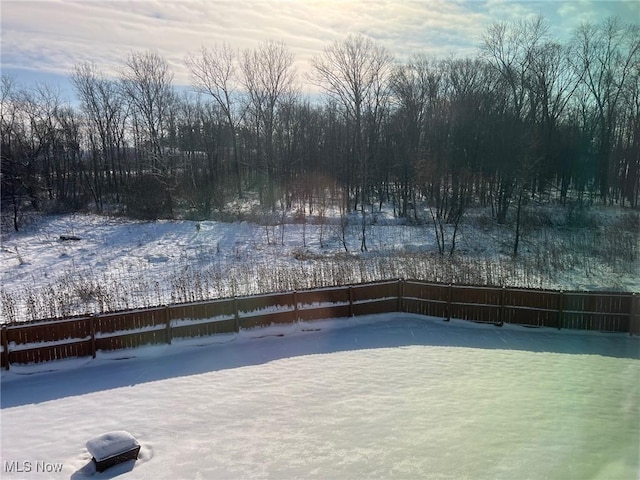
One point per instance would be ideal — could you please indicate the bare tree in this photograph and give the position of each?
(146, 81)
(606, 55)
(68, 165)
(269, 78)
(551, 83)
(355, 71)
(510, 48)
(629, 140)
(103, 105)
(414, 87)
(13, 149)
(214, 72)
(40, 105)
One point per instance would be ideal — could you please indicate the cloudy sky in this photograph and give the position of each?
(43, 40)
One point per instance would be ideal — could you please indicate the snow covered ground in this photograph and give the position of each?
(387, 396)
(119, 264)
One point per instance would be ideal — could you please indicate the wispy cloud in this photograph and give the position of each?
(54, 35)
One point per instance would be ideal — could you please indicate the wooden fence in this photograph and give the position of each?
(84, 336)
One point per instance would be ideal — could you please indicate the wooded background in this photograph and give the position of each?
(528, 118)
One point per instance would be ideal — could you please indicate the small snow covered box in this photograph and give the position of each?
(112, 448)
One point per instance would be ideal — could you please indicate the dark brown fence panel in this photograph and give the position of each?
(51, 341)
(375, 291)
(597, 302)
(374, 307)
(616, 309)
(48, 353)
(202, 310)
(374, 298)
(475, 313)
(425, 298)
(322, 313)
(596, 311)
(266, 319)
(265, 310)
(476, 295)
(131, 340)
(49, 331)
(323, 303)
(595, 321)
(426, 291)
(264, 304)
(322, 297)
(425, 307)
(537, 308)
(612, 303)
(203, 329)
(613, 323)
(478, 304)
(133, 320)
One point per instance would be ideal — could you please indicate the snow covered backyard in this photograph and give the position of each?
(386, 396)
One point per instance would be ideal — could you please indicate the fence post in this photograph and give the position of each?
(350, 300)
(295, 306)
(5, 347)
(634, 316)
(167, 321)
(400, 295)
(92, 319)
(236, 314)
(501, 309)
(449, 303)
(560, 310)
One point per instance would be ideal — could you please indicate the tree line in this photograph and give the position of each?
(529, 118)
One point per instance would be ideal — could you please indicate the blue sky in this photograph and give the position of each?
(43, 40)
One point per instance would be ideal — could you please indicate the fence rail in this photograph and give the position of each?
(84, 336)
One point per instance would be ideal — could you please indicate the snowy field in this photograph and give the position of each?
(120, 264)
(387, 396)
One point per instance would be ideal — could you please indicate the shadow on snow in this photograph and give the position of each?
(34, 383)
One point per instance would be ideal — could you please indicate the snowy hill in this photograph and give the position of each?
(117, 264)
